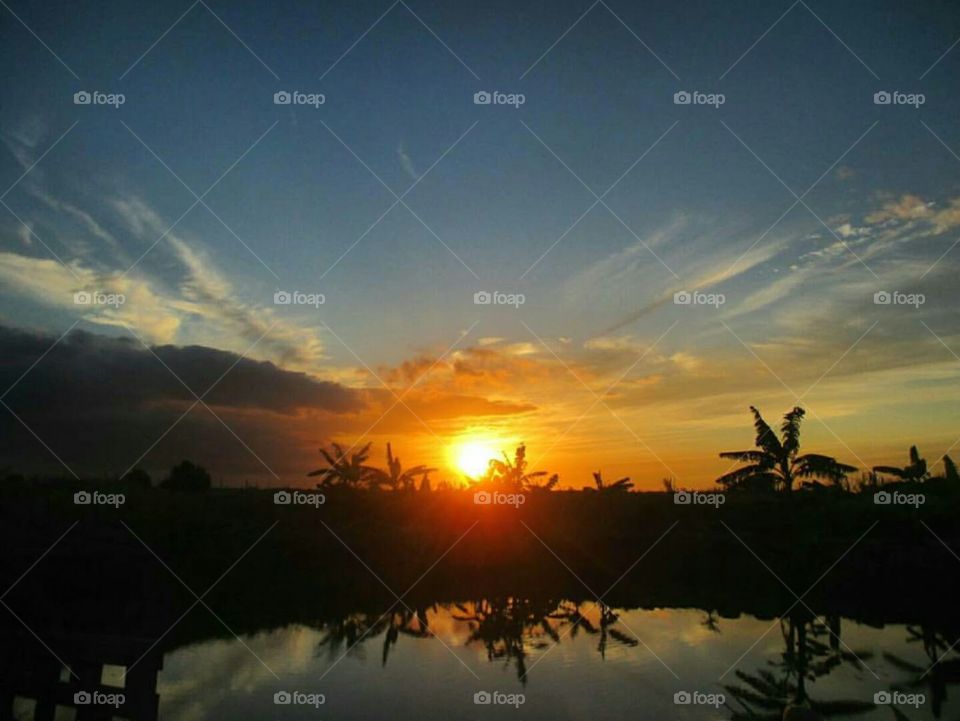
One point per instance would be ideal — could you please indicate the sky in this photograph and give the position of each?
(780, 201)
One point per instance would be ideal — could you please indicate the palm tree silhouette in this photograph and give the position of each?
(397, 479)
(345, 470)
(776, 465)
(915, 471)
(621, 486)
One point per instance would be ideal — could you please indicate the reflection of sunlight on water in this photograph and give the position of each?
(223, 679)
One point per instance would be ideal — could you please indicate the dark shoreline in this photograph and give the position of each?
(890, 567)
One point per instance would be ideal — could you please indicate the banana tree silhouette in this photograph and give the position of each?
(936, 674)
(772, 695)
(950, 470)
(513, 474)
(776, 465)
(621, 486)
(397, 479)
(343, 470)
(915, 471)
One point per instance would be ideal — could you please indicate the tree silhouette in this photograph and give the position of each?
(620, 486)
(343, 470)
(950, 470)
(776, 464)
(513, 474)
(397, 479)
(187, 476)
(138, 478)
(916, 470)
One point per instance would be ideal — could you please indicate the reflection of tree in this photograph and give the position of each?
(936, 674)
(347, 634)
(507, 627)
(711, 622)
(604, 627)
(781, 691)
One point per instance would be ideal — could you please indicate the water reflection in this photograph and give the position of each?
(552, 649)
(937, 672)
(813, 649)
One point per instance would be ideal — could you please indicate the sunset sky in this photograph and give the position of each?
(398, 198)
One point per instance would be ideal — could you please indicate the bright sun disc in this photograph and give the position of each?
(473, 458)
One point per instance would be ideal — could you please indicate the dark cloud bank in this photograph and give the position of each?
(100, 402)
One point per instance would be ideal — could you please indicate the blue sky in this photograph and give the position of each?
(704, 200)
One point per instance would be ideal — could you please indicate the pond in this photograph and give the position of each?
(516, 659)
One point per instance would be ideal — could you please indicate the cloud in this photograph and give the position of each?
(23, 140)
(100, 402)
(208, 294)
(53, 284)
(846, 230)
(406, 162)
(721, 268)
(844, 172)
(81, 216)
(907, 207)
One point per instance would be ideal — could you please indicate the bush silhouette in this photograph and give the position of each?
(187, 476)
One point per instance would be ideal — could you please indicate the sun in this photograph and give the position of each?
(472, 457)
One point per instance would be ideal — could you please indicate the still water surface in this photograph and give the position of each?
(567, 662)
